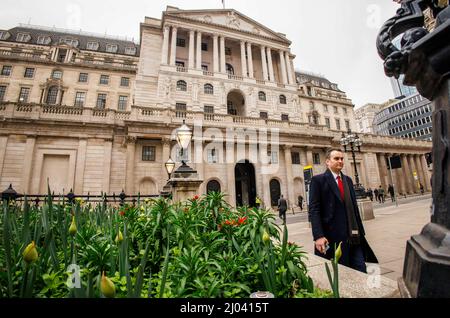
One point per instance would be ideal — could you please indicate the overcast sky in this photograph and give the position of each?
(334, 38)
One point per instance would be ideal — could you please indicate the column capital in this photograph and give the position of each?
(129, 140)
(287, 146)
(165, 141)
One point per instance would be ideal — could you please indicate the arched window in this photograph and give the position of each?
(282, 99)
(209, 89)
(52, 95)
(181, 86)
(213, 186)
(230, 69)
(262, 96)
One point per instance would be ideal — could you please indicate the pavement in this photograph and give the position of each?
(387, 233)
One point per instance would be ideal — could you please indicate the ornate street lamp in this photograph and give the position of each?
(184, 136)
(170, 165)
(353, 141)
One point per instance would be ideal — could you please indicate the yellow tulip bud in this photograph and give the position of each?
(107, 287)
(266, 237)
(30, 253)
(119, 237)
(338, 253)
(73, 227)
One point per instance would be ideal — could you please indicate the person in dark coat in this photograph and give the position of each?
(391, 192)
(300, 202)
(282, 207)
(335, 216)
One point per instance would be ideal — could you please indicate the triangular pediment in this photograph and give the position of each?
(228, 18)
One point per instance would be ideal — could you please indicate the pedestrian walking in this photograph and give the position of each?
(391, 192)
(376, 194)
(282, 207)
(300, 202)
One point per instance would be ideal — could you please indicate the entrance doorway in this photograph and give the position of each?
(245, 181)
(275, 191)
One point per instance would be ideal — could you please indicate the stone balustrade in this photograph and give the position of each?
(32, 111)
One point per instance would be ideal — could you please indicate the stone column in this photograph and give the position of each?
(80, 166)
(412, 167)
(383, 169)
(165, 48)
(266, 189)
(199, 51)
(215, 53)
(309, 156)
(199, 164)
(400, 176)
(420, 173)
(173, 46)
(243, 60)
(131, 150)
(223, 68)
(407, 174)
(426, 175)
(283, 68)
(270, 62)
(264, 63)
(231, 184)
(191, 48)
(289, 175)
(28, 163)
(250, 59)
(3, 144)
(107, 164)
(288, 67)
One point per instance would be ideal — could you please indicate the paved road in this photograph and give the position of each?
(387, 233)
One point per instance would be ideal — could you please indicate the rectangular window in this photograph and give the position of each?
(338, 124)
(29, 72)
(347, 124)
(6, 70)
(123, 102)
(316, 158)
(181, 42)
(204, 46)
(125, 81)
(284, 117)
(57, 75)
(205, 68)
(80, 98)
(327, 122)
(2, 93)
(111, 48)
(345, 110)
(179, 63)
(104, 79)
(263, 115)
(325, 108)
(295, 158)
(24, 94)
(180, 110)
(273, 157)
(227, 51)
(335, 109)
(83, 78)
(101, 101)
(212, 156)
(148, 153)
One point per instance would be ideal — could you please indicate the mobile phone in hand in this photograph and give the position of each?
(327, 247)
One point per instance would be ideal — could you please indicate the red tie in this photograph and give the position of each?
(341, 187)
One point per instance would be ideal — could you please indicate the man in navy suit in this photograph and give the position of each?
(335, 216)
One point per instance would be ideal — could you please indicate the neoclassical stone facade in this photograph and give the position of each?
(256, 121)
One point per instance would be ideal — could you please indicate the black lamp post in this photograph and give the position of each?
(355, 144)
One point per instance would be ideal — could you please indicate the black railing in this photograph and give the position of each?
(121, 198)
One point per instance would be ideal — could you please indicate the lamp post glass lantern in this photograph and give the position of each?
(354, 142)
(184, 135)
(170, 165)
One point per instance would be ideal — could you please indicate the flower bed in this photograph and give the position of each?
(199, 248)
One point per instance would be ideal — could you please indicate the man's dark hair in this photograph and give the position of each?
(330, 150)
